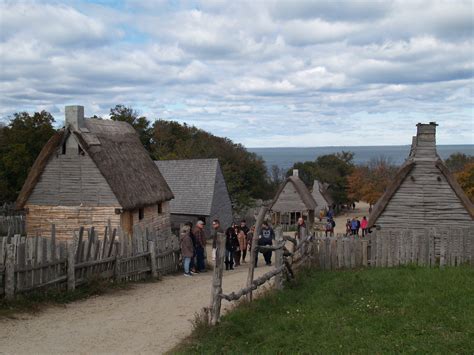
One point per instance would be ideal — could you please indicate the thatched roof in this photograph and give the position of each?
(302, 190)
(118, 153)
(322, 189)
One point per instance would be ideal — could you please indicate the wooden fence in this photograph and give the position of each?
(388, 249)
(33, 263)
(11, 225)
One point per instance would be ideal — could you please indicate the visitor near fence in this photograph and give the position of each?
(301, 224)
(216, 228)
(238, 250)
(187, 249)
(363, 224)
(231, 243)
(266, 238)
(200, 237)
(330, 224)
(242, 238)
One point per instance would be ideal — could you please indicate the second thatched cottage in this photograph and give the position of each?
(90, 172)
(423, 194)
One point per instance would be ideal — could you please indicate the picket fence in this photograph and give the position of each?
(11, 225)
(34, 263)
(428, 247)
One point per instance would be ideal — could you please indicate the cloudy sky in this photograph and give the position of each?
(263, 73)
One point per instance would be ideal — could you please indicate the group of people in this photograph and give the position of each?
(238, 243)
(354, 225)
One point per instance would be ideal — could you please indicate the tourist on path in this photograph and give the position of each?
(330, 224)
(216, 228)
(348, 227)
(301, 224)
(192, 265)
(231, 243)
(354, 226)
(266, 238)
(187, 249)
(243, 226)
(242, 238)
(363, 224)
(200, 236)
(238, 250)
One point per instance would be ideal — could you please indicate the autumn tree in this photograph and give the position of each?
(465, 178)
(140, 123)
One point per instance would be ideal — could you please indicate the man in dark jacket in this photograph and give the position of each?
(266, 238)
(200, 237)
(231, 244)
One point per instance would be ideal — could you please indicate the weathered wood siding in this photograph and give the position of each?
(424, 199)
(289, 200)
(154, 221)
(72, 179)
(68, 219)
(179, 219)
(319, 198)
(221, 208)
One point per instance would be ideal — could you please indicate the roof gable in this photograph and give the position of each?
(300, 188)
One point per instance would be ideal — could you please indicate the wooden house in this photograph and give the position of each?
(92, 171)
(423, 193)
(322, 196)
(200, 191)
(292, 201)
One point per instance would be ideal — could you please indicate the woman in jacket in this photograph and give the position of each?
(187, 249)
(231, 243)
(242, 238)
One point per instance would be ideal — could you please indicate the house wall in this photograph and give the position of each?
(72, 179)
(424, 202)
(289, 200)
(178, 219)
(155, 222)
(221, 205)
(68, 219)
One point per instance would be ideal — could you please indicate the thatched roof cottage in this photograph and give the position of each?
(92, 171)
(423, 193)
(293, 200)
(199, 189)
(321, 195)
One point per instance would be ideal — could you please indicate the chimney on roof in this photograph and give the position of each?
(426, 140)
(295, 172)
(75, 116)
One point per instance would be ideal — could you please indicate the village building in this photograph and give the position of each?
(200, 192)
(322, 197)
(423, 194)
(292, 201)
(91, 172)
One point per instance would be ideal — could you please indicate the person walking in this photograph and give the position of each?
(238, 251)
(192, 264)
(301, 225)
(353, 226)
(330, 227)
(230, 245)
(266, 238)
(363, 224)
(243, 226)
(348, 227)
(216, 228)
(242, 238)
(200, 236)
(187, 249)
(358, 226)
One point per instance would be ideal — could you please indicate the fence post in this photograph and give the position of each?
(278, 259)
(117, 277)
(10, 273)
(217, 280)
(71, 270)
(154, 267)
(254, 249)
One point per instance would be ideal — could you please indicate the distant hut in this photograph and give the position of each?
(292, 201)
(423, 193)
(199, 189)
(90, 172)
(322, 196)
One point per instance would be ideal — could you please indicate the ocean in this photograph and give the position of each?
(284, 158)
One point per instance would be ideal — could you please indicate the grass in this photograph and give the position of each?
(37, 301)
(408, 310)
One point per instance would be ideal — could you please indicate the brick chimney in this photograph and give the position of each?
(295, 172)
(75, 117)
(426, 140)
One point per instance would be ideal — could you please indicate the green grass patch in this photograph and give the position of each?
(407, 309)
(36, 301)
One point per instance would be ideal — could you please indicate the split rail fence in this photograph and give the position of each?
(38, 263)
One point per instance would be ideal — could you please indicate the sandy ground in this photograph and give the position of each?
(150, 318)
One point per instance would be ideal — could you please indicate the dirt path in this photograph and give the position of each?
(361, 210)
(150, 318)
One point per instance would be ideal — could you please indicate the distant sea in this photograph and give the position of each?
(284, 158)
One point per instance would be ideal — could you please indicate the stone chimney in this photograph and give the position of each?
(75, 117)
(295, 172)
(426, 140)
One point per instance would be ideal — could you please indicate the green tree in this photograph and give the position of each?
(140, 123)
(20, 143)
(457, 161)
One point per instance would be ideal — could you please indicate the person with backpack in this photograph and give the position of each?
(330, 224)
(266, 238)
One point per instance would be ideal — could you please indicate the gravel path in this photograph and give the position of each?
(150, 318)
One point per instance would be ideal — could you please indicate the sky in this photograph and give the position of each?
(262, 73)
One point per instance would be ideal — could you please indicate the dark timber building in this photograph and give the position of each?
(93, 171)
(424, 193)
(199, 189)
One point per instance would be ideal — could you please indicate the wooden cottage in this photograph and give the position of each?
(199, 189)
(322, 196)
(292, 201)
(423, 193)
(90, 172)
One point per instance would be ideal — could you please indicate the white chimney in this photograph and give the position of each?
(426, 140)
(75, 116)
(295, 172)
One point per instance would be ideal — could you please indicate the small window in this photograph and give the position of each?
(160, 208)
(141, 213)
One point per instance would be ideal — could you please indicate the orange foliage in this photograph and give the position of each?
(465, 178)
